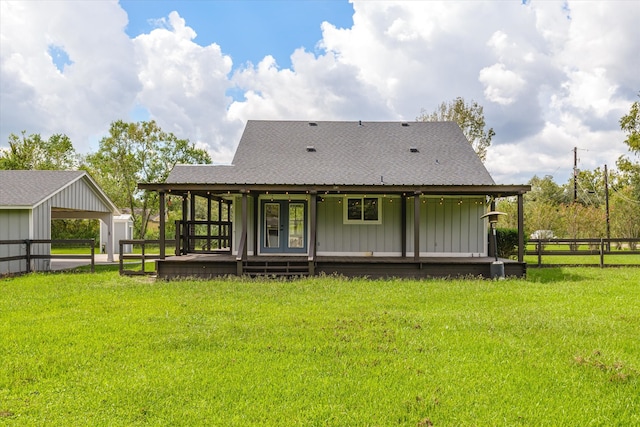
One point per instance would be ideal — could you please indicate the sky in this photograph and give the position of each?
(551, 75)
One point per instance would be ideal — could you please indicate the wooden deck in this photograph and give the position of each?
(217, 265)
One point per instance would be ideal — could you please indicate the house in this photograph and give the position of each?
(378, 199)
(30, 199)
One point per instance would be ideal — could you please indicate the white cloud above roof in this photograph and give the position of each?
(551, 75)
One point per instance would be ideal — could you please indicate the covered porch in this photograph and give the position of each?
(232, 239)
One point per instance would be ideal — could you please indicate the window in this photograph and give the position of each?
(362, 210)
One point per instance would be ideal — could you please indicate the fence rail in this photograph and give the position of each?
(583, 247)
(143, 257)
(28, 254)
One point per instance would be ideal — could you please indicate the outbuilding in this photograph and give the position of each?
(30, 200)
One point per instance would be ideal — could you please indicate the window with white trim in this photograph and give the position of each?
(362, 210)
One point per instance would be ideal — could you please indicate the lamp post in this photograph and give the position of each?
(497, 267)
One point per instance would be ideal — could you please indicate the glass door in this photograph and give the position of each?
(284, 228)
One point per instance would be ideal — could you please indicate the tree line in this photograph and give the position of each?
(135, 152)
(595, 203)
(129, 154)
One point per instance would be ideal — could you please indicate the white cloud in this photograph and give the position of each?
(36, 96)
(501, 85)
(551, 75)
(184, 86)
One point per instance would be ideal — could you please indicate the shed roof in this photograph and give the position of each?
(29, 188)
(345, 153)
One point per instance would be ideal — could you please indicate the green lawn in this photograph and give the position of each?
(560, 348)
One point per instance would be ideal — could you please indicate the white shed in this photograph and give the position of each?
(122, 230)
(29, 200)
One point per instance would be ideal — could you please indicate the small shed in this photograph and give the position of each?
(29, 200)
(122, 230)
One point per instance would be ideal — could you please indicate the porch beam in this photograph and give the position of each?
(439, 190)
(416, 226)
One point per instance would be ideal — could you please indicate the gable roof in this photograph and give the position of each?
(345, 153)
(29, 188)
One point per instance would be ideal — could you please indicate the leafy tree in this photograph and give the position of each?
(545, 190)
(630, 124)
(35, 153)
(139, 152)
(470, 118)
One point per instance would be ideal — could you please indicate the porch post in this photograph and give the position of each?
(256, 239)
(245, 223)
(520, 228)
(185, 230)
(403, 225)
(162, 225)
(492, 247)
(313, 209)
(416, 225)
(242, 248)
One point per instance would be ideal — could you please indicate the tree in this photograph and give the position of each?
(139, 152)
(630, 124)
(470, 118)
(35, 153)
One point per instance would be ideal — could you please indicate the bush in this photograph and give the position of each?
(508, 242)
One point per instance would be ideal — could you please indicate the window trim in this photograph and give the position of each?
(362, 198)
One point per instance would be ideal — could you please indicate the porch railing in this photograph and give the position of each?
(203, 237)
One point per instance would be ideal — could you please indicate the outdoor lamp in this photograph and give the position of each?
(497, 267)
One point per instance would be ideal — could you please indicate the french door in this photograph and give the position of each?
(283, 226)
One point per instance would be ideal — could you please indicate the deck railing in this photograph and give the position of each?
(28, 254)
(599, 249)
(203, 237)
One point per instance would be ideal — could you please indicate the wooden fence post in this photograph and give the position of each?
(28, 254)
(93, 255)
(601, 253)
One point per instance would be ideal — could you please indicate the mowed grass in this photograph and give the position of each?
(560, 348)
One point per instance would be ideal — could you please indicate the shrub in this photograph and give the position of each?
(508, 242)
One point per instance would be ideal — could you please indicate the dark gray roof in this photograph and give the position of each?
(345, 153)
(29, 188)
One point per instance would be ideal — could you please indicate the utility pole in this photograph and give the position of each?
(606, 204)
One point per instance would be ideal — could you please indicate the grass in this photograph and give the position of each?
(560, 348)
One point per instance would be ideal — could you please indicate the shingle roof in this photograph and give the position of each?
(345, 153)
(29, 188)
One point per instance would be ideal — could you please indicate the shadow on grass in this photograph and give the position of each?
(554, 274)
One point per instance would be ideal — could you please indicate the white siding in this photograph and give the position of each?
(78, 196)
(449, 226)
(336, 237)
(14, 225)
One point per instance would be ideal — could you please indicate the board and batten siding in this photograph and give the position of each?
(14, 225)
(78, 196)
(449, 226)
(336, 237)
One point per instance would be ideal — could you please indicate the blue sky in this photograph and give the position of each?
(551, 75)
(246, 30)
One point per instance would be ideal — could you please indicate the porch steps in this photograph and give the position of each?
(259, 268)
